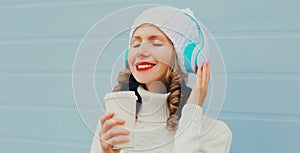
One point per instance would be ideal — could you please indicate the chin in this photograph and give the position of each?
(143, 79)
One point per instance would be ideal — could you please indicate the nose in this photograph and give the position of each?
(143, 51)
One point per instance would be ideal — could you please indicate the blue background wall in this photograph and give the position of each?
(259, 40)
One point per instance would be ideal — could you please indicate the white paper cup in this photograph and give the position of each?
(123, 104)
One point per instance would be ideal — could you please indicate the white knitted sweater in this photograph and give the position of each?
(195, 134)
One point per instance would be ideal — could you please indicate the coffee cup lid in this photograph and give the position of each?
(120, 94)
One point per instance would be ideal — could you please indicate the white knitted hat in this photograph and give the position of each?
(181, 27)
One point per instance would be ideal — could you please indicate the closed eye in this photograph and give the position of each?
(136, 45)
(157, 44)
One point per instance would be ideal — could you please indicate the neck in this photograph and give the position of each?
(157, 87)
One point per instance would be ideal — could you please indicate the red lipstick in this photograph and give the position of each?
(144, 66)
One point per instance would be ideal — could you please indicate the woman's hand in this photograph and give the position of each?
(110, 136)
(199, 91)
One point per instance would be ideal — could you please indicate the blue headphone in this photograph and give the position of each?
(188, 51)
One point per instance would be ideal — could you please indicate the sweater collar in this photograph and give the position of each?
(154, 107)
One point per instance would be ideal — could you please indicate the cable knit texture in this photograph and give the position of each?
(151, 135)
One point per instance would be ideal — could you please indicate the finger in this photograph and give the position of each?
(113, 132)
(207, 76)
(208, 73)
(117, 140)
(111, 123)
(204, 74)
(199, 69)
(106, 117)
(199, 73)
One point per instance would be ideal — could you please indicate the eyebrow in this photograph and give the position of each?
(152, 37)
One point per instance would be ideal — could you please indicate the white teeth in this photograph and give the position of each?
(144, 66)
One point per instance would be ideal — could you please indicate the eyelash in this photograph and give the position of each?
(154, 44)
(136, 46)
(157, 44)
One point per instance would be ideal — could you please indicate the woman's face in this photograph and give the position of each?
(151, 54)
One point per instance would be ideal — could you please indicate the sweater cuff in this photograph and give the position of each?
(191, 114)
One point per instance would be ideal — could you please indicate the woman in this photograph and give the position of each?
(156, 69)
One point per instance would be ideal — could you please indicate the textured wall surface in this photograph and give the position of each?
(259, 40)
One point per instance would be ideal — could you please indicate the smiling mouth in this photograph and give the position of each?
(144, 66)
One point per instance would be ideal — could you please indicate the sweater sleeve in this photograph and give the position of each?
(189, 139)
(220, 142)
(96, 146)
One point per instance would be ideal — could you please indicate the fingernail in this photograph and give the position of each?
(120, 121)
(110, 114)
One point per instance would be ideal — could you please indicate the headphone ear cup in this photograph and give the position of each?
(188, 54)
(126, 56)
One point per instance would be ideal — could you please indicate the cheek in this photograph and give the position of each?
(165, 57)
(130, 59)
